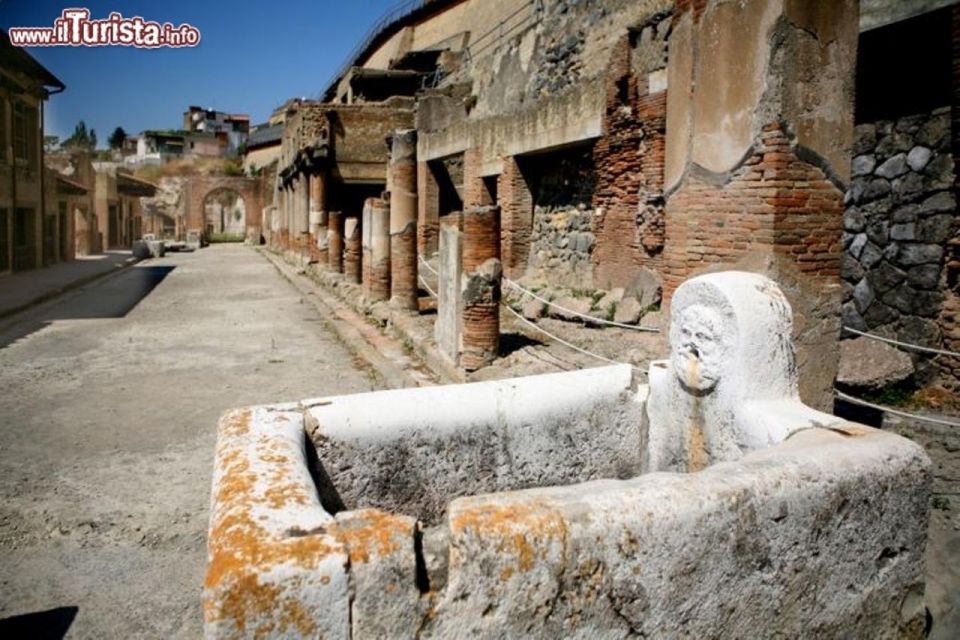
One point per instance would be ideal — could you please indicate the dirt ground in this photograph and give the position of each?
(109, 407)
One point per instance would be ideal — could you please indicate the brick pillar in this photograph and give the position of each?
(629, 158)
(318, 216)
(480, 292)
(335, 241)
(475, 191)
(428, 210)
(757, 158)
(403, 219)
(352, 249)
(377, 287)
(516, 224)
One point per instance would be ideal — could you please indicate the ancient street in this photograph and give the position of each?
(114, 392)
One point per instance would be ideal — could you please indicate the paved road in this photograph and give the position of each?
(108, 405)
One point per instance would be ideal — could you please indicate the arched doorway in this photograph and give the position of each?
(224, 213)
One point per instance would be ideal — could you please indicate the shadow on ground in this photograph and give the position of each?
(510, 342)
(41, 625)
(113, 298)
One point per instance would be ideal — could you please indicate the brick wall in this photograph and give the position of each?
(516, 210)
(774, 203)
(949, 319)
(475, 191)
(630, 159)
(428, 210)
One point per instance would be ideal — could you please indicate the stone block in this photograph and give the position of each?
(567, 308)
(447, 328)
(893, 167)
(628, 311)
(533, 309)
(918, 158)
(913, 254)
(872, 365)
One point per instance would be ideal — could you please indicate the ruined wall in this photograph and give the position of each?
(630, 157)
(759, 123)
(899, 218)
(562, 239)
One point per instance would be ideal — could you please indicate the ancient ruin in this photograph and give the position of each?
(529, 507)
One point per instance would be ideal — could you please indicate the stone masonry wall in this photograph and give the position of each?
(562, 238)
(900, 215)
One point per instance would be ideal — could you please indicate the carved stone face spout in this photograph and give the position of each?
(698, 353)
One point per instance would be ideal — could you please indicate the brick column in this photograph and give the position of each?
(475, 192)
(318, 216)
(756, 167)
(480, 292)
(335, 241)
(516, 224)
(403, 219)
(428, 210)
(377, 284)
(352, 249)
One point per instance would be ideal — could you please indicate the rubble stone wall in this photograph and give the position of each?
(562, 239)
(900, 217)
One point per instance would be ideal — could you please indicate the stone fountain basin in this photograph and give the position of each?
(521, 508)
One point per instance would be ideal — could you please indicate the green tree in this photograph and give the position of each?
(116, 138)
(82, 138)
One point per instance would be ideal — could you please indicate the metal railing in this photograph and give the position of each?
(394, 14)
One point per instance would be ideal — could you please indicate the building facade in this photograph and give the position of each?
(25, 85)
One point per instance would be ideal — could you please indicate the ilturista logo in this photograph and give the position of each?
(75, 28)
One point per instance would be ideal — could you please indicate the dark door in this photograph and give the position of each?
(24, 240)
(64, 228)
(4, 240)
(49, 240)
(113, 227)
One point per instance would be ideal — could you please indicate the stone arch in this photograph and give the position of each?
(200, 189)
(224, 212)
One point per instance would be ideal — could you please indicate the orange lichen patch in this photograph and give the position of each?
(248, 600)
(235, 423)
(372, 532)
(279, 496)
(242, 551)
(522, 529)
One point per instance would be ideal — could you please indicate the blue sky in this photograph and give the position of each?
(252, 57)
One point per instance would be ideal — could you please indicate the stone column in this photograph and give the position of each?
(379, 270)
(366, 246)
(318, 215)
(303, 222)
(480, 290)
(759, 128)
(428, 210)
(403, 219)
(352, 249)
(335, 241)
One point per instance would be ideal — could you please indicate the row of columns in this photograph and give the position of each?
(379, 250)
